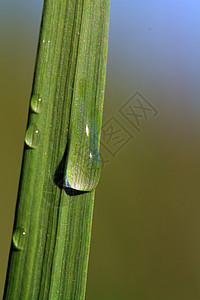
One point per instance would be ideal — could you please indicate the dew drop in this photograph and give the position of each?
(83, 166)
(83, 173)
(19, 238)
(36, 103)
(32, 135)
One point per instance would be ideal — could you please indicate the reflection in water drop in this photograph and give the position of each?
(87, 129)
(32, 135)
(19, 238)
(36, 103)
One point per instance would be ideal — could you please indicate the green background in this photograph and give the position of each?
(146, 227)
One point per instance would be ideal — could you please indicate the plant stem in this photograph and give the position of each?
(51, 235)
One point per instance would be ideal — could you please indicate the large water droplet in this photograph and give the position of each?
(83, 164)
(19, 238)
(36, 103)
(32, 135)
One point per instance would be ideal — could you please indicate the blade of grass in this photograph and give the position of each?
(52, 229)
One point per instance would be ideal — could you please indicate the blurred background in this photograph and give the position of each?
(146, 227)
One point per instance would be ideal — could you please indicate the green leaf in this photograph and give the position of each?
(51, 236)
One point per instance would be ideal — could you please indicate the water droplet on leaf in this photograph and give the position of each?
(36, 104)
(19, 238)
(32, 135)
(83, 166)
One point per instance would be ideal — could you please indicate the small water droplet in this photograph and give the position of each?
(36, 103)
(19, 238)
(32, 135)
